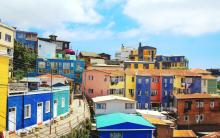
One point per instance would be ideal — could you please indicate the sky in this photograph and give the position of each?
(174, 27)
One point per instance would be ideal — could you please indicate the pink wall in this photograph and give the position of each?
(98, 84)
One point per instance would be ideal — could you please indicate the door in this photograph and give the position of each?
(39, 113)
(12, 119)
(55, 108)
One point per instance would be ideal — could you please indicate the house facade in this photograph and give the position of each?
(124, 53)
(113, 104)
(46, 50)
(200, 111)
(7, 34)
(28, 39)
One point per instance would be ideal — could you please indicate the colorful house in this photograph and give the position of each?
(130, 82)
(209, 82)
(28, 39)
(6, 53)
(171, 62)
(32, 108)
(143, 91)
(122, 125)
(61, 101)
(138, 65)
(101, 82)
(200, 111)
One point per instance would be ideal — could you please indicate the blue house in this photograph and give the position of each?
(28, 39)
(143, 92)
(167, 91)
(120, 125)
(29, 109)
(194, 86)
(72, 69)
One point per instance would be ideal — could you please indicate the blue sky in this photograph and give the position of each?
(183, 27)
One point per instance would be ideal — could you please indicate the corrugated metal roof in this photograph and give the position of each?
(110, 97)
(183, 134)
(119, 118)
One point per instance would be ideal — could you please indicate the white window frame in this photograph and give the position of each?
(27, 105)
(186, 117)
(139, 81)
(212, 104)
(63, 102)
(47, 107)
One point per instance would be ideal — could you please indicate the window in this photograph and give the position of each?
(146, 92)
(66, 65)
(165, 80)
(146, 105)
(53, 65)
(139, 81)
(199, 104)
(165, 105)
(186, 117)
(27, 111)
(212, 104)
(115, 134)
(147, 81)
(171, 81)
(47, 110)
(0, 35)
(7, 38)
(90, 77)
(90, 90)
(138, 105)
(199, 118)
(154, 93)
(135, 66)
(165, 93)
(63, 102)
(155, 79)
(41, 65)
(131, 92)
(72, 65)
(100, 106)
(204, 83)
(129, 105)
(132, 79)
(139, 92)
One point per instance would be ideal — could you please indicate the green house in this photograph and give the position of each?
(61, 101)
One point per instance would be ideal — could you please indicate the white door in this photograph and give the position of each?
(12, 119)
(55, 108)
(39, 113)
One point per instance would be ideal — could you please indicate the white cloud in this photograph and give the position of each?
(190, 17)
(48, 14)
(129, 33)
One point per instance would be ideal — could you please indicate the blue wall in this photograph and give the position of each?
(195, 87)
(32, 99)
(21, 37)
(16, 101)
(129, 134)
(143, 98)
(76, 69)
(166, 87)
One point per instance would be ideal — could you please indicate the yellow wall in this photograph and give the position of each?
(140, 66)
(119, 85)
(177, 82)
(151, 66)
(6, 30)
(130, 85)
(4, 66)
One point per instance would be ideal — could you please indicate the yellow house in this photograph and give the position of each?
(130, 82)
(139, 65)
(117, 84)
(6, 53)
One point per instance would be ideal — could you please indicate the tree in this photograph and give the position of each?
(23, 61)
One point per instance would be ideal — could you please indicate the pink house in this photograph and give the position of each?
(95, 83)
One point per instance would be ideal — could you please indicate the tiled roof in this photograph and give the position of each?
(110, 97)
(196, 96)
(183, 134)
(90, 54)
(200, 71)
(111, 71)
(119, 118)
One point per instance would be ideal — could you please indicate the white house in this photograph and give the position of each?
(46, 50)
(123, 53)
(113, 104)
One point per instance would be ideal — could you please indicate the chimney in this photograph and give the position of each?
(53, 37)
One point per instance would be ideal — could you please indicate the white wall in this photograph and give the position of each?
(114, 106)
(97, 61)
(46, 49)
